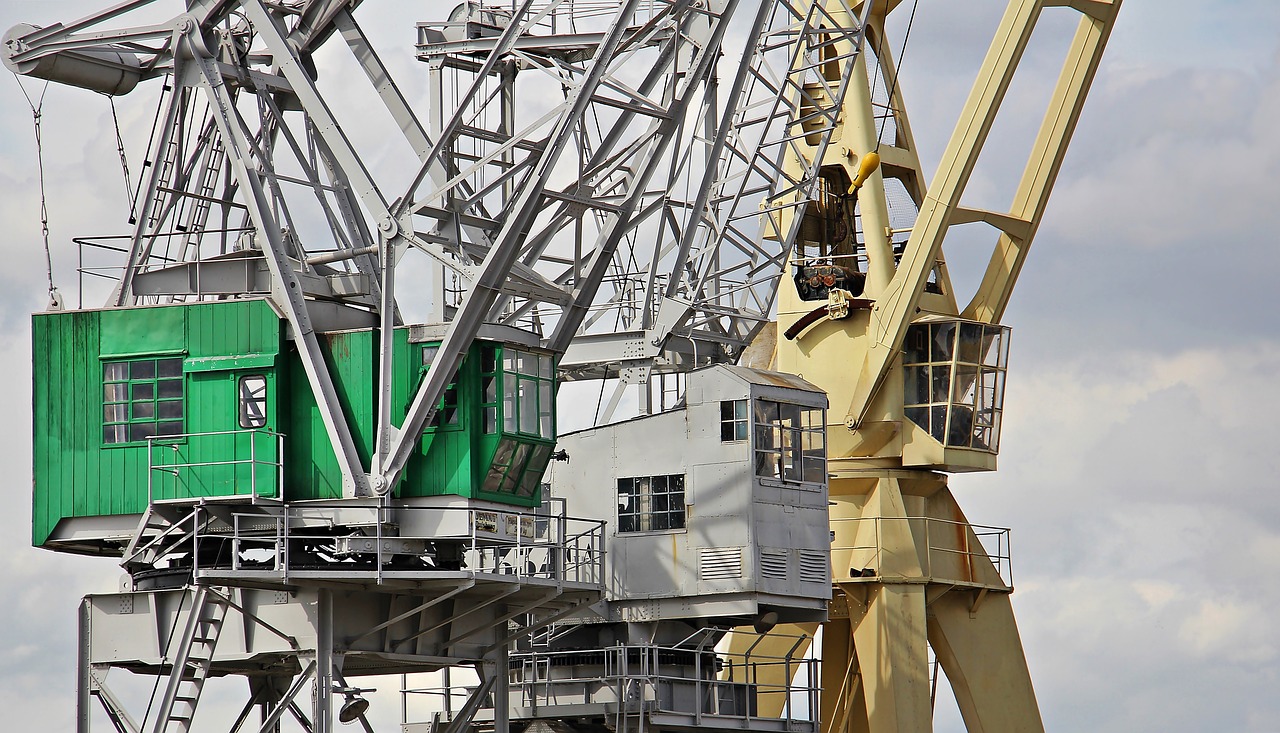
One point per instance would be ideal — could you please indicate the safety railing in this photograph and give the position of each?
(225, 463)
(372, 539)
(696, 678)
(947, 551)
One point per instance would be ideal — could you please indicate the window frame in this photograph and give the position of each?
(131, 385)
(642, 505)
(242, 402)
(735, 420)
(798, 450)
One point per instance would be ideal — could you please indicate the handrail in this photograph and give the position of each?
(182, 446)
(518, 544)
(947, 545)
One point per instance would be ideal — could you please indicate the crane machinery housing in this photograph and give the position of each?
(316, 418)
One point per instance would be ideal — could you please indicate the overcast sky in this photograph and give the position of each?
(1139, 461)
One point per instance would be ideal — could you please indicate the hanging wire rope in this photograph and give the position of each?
(37, 111)
(124, 160)
(893, 85)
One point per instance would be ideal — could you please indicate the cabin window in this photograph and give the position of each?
(651, 503)
(953, 381)
(253, 401)
(528, 394)
(733, 420)
(790, 442)
(489, 378)
(141, 399)
(517, 468)
(448, 414)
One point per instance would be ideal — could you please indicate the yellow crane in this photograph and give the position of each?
(915, 376)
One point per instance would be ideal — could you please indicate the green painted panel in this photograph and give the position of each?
(77, 473)
(129, 331)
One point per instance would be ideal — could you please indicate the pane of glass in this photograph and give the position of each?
(545, 367)
(994, 443)
(676, 520)
(915, 348)
(918, 415)
(815, 469)
(522, 457)
(144, 410)
(626, 523)
(961, 430)
(942, 338)
(726, 410)
(509, 403)
(488, 358)
(938, 422)
(144, 390)
(941, 383)
(429, 354)
(998, 400)
(676, 483)
(502, 456)
(142, 369)
(982, 438)
(790, 471)
(115, 372)
(740, 430)
(528, 407)
(1004, 350)
(764, 437)
(115, 392)
(659, 521)
(767, 464)
(449, 412)
(171, 427)
(545, 402)
(169, 367)
(490, 387)
(141, 431)
(172, 410)
(493, 479)
(173, 387)
(529, 482)
(969, 343)
(965, 387)
(660, 502)
(726, 431)
(528, 364)
(113, 434)
(115, 413)
(766, 412)
(790, 415)
(917, 385)
(490, 420)
(509, 360)
(991, 345)
(740, 410)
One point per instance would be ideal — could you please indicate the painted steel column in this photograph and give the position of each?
(976, 641)
(502, 690)
(322, 714)
(84, 675)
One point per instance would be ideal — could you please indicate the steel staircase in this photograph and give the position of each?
(192, 661)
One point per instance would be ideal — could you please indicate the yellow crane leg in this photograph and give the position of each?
(975, 638)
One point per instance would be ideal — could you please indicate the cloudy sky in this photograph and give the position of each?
(1140, 453)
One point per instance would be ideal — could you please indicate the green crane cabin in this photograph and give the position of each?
(209, 402)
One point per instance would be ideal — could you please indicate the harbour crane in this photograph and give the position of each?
(305, 485)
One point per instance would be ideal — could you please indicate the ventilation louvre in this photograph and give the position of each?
(773, 564)
(719, 563)
(814, 567)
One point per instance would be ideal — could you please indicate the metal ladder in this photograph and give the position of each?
(192, 662)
